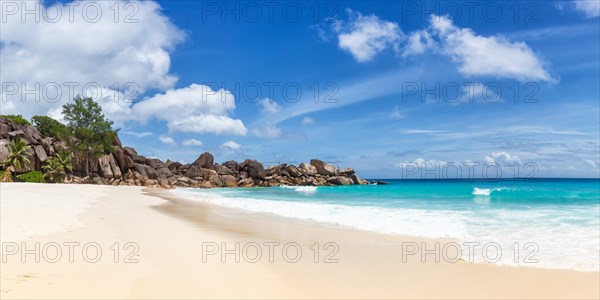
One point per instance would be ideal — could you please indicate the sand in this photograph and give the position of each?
(162, 239)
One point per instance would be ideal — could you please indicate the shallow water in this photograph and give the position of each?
(555, 222)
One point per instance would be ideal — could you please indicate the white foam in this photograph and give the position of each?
(303, 189)
(438, 224)
(562, 244)
(481, 192)
(486, 192)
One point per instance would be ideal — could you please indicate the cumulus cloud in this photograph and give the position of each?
(165, 139)
(74, 53)
(269, 106)
(478, 55)
(230, 146)
(307, 120)
(192, 142)
(590, 8)
(502, 158)
(220, 125)
(366, 36)
(418, 42)
(77, 56)
(196, 109)
(268, 131)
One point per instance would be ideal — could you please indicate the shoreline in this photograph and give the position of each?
(171, 233)
(239, 213)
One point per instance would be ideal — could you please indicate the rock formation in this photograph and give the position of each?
(124, 166)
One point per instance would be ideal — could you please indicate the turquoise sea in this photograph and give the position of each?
(556, 220)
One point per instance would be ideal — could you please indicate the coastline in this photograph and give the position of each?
(170, 233)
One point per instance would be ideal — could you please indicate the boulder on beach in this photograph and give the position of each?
(340, 180)
(254, 169)
(205, 160)
(324, 168)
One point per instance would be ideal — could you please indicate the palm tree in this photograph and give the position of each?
(58, 166)
(18, 155)
(6, 176)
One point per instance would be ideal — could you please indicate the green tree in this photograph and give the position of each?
(90, 134)
(18, 119)
(31, 176)
(58, 166)
(48, 126)
(18, 155)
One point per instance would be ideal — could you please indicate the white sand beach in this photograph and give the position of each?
(161, 241)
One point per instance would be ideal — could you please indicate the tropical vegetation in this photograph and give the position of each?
(92, 134)
(58, 166)
(18, 157)
(31, 176)
(49, 127)
(86, 133)
(18, 119)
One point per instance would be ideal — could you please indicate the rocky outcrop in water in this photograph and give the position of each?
(124, 166)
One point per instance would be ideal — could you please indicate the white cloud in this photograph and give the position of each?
(220, 125)
(196, 109)
(192, 142)
(79, 52)
(269, 106)
(137, 134)
(307, 120)
(591, 8)
(268, 131)
(230, 146)
(502, 158)
(418, 42)
(100, 54)
(478, 55)
(592, 163)
(396, 113)
(366, 36)
(165, 139)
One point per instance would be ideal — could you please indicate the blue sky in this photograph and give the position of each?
(388, 76)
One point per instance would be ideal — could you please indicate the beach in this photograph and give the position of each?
(155, 244)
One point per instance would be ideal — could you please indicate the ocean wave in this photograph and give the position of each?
(486, 192)
(303, 189)
(406, 221)
(481, 192)
(544, 227)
